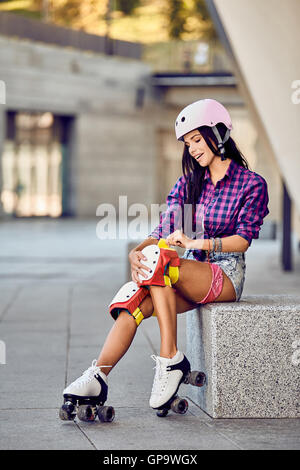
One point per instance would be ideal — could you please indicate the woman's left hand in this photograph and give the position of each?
(178, 238)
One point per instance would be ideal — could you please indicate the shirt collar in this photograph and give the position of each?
(229, 173)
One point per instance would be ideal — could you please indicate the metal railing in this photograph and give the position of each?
(187, 57)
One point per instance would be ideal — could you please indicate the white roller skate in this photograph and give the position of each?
(169, 374)
(86, 396)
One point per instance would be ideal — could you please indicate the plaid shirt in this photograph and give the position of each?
(237, 205)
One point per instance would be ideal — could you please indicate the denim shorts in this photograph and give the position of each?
(232, 264)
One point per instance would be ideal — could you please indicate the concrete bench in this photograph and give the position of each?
(248, 350)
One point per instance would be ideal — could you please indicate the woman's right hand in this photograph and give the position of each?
(135, 258)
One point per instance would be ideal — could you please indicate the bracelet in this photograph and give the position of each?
(208, 251)
(216, 245)
(219, 244)
(211, 249)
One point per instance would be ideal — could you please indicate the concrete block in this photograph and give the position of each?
(248, 351)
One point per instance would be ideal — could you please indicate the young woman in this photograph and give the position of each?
(230, 202)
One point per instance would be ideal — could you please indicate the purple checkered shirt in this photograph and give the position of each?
(237, 205)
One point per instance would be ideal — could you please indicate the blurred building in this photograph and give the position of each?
(77, 127)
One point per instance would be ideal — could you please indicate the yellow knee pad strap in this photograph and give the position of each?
(173, 270)
(138, 316)
(174, 274)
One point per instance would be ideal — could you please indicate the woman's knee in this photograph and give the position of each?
(146, 307)
(182, 305)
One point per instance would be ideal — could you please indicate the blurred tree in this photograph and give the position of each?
(145, 21)
(76, 13)
(126, 6)
(177, 15)
(201, 9)
(188, 17)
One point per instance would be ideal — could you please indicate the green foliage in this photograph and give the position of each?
(201, 9)
(145, 21)
(182, 13)
(126, 6)
(177, 18)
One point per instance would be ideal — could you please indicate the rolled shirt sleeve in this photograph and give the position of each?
(253, 210)
(171, 219)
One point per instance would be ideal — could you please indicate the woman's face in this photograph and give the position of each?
(198, 148)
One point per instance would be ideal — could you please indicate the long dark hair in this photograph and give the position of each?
(194, 173)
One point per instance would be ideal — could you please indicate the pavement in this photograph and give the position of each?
(56, 281)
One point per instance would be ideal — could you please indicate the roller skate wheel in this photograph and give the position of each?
(86, 413)
(197, 378)
(106, 414)
(66, 412)
(162, 413)
(179, 405)
(65, 416)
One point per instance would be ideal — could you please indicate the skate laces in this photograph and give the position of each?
(89, 373)
(161, 376)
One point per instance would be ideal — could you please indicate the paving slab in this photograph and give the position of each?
(43, 307)
(34, 329)
(39, 429)
(260, 434)
(35, 368)
(139, 428)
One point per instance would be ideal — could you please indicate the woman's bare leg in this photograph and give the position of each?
(123, 331)
(164, 302)
(195, 280)
(192, 286)
(117, 342)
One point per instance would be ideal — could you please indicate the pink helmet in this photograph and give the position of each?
(206, 112)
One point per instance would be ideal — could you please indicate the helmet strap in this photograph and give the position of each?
(220, 141)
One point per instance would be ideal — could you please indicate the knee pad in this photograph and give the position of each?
(163, 262)
(173, 270)
(129, 298)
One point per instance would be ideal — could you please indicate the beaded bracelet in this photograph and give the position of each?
(208, 251)
(216, 245)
